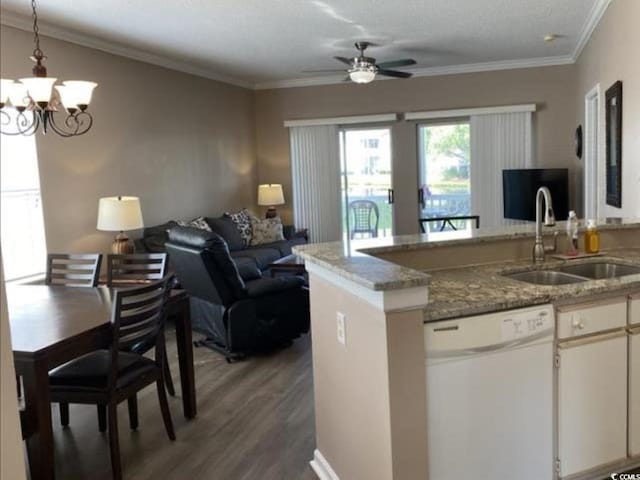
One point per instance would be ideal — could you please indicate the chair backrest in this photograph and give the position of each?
(204, 266)
(365, 216)
(135, 268)
(138, 315)
(73, 269)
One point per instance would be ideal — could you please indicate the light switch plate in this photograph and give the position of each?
(341, 328)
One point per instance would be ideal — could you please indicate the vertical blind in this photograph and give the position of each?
(315, 171)
(498, 142)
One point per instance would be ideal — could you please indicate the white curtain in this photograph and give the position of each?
(498, 142)
(315, 171)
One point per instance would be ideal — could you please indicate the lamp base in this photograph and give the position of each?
(121, 245)
(271, 212)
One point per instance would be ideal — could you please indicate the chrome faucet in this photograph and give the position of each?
(539, 248)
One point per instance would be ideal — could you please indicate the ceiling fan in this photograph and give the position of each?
(364, 69)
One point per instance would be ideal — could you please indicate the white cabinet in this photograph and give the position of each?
(592, 404)
(592, 385)
(634, 391)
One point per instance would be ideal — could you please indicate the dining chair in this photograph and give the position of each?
(108, 377)
(73, 269)
(136, 268)
(123, 270)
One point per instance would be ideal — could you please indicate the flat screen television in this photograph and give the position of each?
(519, 188)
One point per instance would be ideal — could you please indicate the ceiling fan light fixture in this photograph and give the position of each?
(362, 74)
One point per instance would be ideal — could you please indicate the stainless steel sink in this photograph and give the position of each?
(546, 277)
(600, 270)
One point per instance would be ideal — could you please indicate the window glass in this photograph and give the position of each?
(21, 221)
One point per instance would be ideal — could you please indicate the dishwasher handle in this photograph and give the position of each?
(496, 347)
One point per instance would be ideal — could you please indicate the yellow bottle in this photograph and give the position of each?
(591, 238)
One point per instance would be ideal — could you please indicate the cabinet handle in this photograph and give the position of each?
(578, 324)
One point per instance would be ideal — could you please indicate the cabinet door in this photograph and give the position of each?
(592, 404)
(634, 393)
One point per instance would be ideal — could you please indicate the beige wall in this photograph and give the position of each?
(12, 463)
(370, 394)
(551, 88)
(610, 55)
(184, 144)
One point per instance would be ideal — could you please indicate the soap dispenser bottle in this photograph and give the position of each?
(572, 234)
(591, 238)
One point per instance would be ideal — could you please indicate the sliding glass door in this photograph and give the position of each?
(444, 186)
(367, 194)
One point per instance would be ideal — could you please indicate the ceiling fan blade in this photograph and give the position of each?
(394, 73)
(344, 60)
(405, 62)
(333, 70)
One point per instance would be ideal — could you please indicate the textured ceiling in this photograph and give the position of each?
(267, 41)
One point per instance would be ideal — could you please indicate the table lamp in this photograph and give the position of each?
(119, 214)
(269, 195)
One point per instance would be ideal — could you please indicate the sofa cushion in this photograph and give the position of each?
(198, 222)
(283, 246)
(154, 238)
(262, 256)
(247, 268)
(227, 229)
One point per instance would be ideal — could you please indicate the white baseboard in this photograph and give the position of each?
(322, 468)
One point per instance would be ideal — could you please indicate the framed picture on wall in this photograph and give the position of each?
(613, 127)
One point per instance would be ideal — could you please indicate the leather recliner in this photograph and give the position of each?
(237, 317)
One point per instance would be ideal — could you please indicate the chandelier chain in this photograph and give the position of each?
(36, 52)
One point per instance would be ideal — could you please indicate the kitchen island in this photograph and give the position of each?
(370, 301)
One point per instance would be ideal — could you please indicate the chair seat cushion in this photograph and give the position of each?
(267, 286)
(262, 256)
(91, 371)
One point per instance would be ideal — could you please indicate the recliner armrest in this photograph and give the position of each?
(267, 286)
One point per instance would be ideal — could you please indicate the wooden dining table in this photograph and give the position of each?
(51, 325)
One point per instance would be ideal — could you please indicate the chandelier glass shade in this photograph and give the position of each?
(34, 102)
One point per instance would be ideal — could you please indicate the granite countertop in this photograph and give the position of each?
(477, 289)
(361, 268)
(355, 260)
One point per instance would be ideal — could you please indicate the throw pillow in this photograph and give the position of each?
(242, 219)
(268, 230)
(198, 222)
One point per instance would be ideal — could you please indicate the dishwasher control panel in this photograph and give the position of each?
(490, 331)
(524, 324)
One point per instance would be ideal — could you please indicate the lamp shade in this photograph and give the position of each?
(119, 214)
(270, 194)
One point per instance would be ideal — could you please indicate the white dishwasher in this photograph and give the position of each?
(490, 396)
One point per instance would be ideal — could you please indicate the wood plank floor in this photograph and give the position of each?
(255, 422)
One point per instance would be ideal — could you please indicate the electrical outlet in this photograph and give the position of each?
(341, 328)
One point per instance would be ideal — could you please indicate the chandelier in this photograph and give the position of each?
(33, 102)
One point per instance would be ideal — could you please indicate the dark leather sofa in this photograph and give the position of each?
(236, 316)
(251, 261)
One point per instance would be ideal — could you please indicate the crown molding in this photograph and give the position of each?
(593, 19)
(21, 22)
(430, 71)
